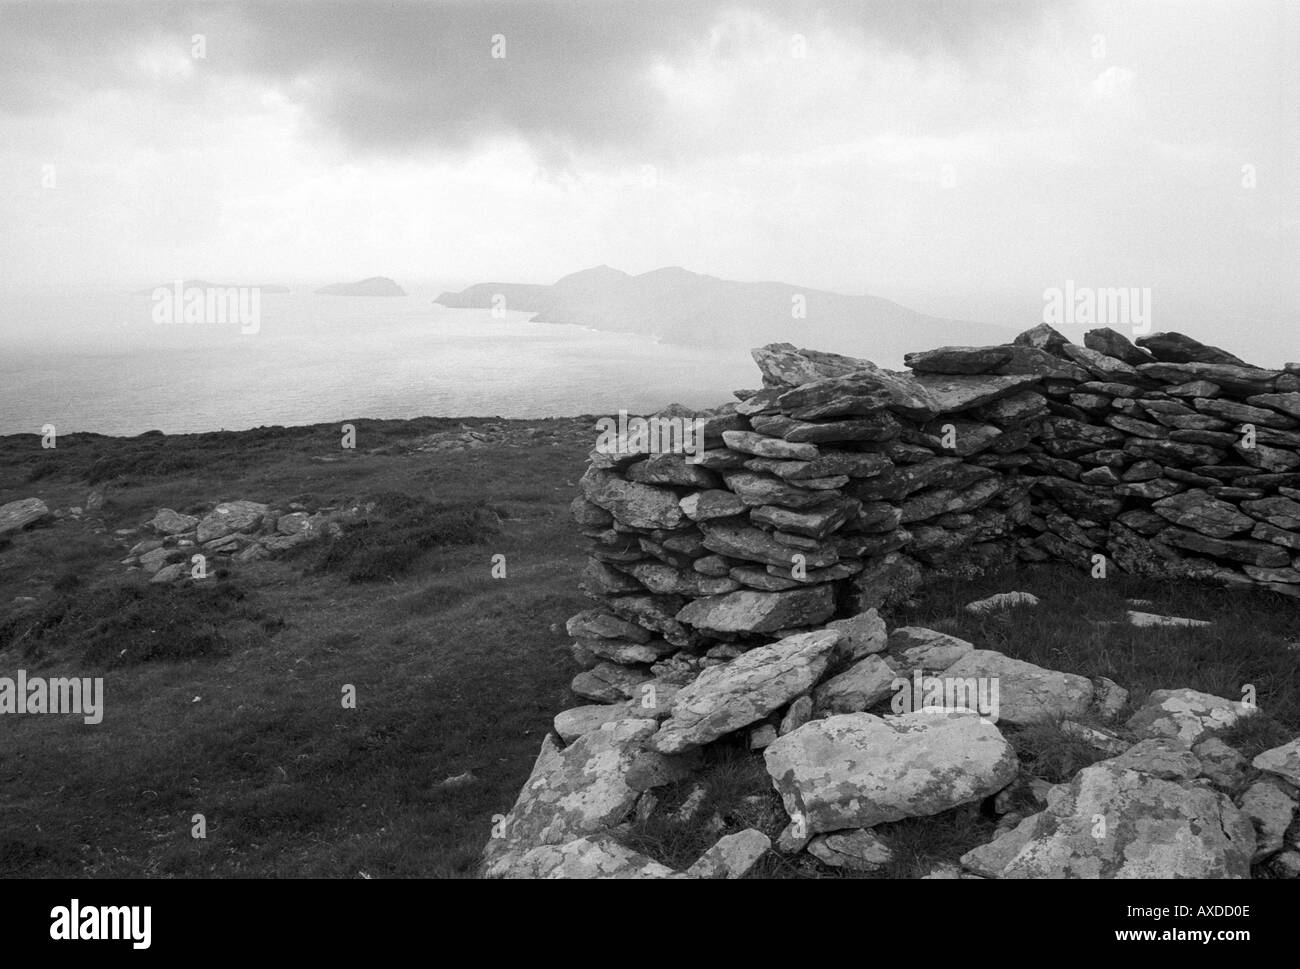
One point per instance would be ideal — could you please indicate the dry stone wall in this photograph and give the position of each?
(737, 591)
(835, 486)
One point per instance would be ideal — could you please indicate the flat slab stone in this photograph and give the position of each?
(1149, 619)
(756, 612)
(857, 770)
(1175, 347)
(1000, 601)
(958, 360)
(1283, 761)
(726, 698)
(1026, 693)
(769, 447)
(954, 393)
(1202, 512)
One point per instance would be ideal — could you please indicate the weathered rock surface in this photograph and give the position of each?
(726, 698)
(1186, 715)
(857, 770)
(1153, 828)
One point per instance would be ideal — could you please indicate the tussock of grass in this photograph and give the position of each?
(122, 624)
(1254, 735)
(1048, 752)
(401, 531)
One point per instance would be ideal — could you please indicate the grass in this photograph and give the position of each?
(454, 670)
(119, 623)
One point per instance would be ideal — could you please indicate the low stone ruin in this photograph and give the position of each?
(233, 531)
(736, 590)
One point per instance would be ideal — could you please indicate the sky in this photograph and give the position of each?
(959, 157)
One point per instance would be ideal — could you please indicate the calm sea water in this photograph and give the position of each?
(96, 361)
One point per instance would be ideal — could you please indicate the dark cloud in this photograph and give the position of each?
(389, 77)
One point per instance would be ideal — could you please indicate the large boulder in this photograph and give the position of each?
(574, 792)
(725, 698)
(16, 515)
(1113, 821)
(169, 522)
(857, 770)
(230, 517)
(1025, 693)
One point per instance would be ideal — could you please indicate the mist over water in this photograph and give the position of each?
(93, 360)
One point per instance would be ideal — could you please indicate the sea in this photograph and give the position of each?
(96, 359)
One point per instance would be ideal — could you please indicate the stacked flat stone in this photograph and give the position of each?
(806, 496)
(835, 486)
(1170, 458)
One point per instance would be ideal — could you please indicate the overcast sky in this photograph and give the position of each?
(975, 149)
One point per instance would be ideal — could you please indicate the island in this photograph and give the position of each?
(676, 306)
(374, 286)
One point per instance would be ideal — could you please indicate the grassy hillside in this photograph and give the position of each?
(242, 720)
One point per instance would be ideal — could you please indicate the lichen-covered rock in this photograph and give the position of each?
(578, 791)
(1026, 693)
(860, 687)
(752, 611)
(169, 522)
(864, 633)
(858, 850)
(732, 856)
(1187, 715)
(596, 857)
(639, 505)
(1283, 761)
(1115, 822)
(726, 698)
(857, 770)
(230, 517)
(927, 649)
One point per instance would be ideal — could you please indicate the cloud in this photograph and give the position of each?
(390, 78)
